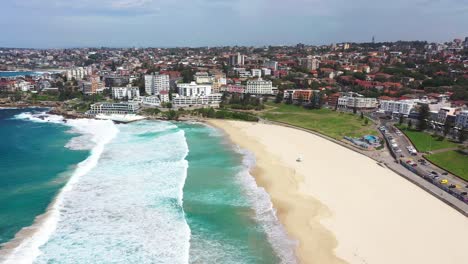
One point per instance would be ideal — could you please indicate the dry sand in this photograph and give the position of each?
(343, 207)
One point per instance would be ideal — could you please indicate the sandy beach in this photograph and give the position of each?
(344, 208)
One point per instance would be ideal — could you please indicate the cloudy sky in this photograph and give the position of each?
(169, 23)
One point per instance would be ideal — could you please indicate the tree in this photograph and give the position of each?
(366, 121)
(462, 136)
(423, 117)
(400, 121)
(289, 100)
(410, 124)
(447, 127)
(211, 113)
(170, 95)
(362, 115)
(300, 99)
(172, 115)
(279, 98)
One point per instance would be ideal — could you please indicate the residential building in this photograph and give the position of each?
(461, 119)
(164, 96)
(212, 99)
(218, 83)
(403, 107)
(237, 59)
(78, 73)
(332, 99)
(354, 100)
(203, 78)
(266, 71)
(272, 65)
(128, 93)
(96, 84)
(114, 108)
(299, 94)
(446, 114)
(259, 86)
(232, 88)
(193, 89)
(24, 86)
(256, 73)
(151, 101)
(116, 81)
(311, 63)
(155, 83)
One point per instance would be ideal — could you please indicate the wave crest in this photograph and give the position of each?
(25, 248)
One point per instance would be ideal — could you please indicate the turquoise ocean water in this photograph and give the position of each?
(33, 167)
(146, 192)
(17, 73)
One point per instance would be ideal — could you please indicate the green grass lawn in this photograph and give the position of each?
(426, 142)
(325, 121)
(452, 161)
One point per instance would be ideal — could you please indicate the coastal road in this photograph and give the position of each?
(432, 183)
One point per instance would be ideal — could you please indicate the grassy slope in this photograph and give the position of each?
(425, 142)
(452, 161)
(330, 123)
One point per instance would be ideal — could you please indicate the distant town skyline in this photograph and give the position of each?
(176, 23)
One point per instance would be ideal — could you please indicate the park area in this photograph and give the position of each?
(425, 142)
(453, 161)
(331, 123)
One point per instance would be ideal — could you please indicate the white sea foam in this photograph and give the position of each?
(40, 117)
(265, 212)
(102, 133)
(128, 209)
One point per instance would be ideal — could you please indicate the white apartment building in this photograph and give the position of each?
(114, 108)
(359, 102)
(203, 78)
(256, 73)
(461, 119)
(79, 73)
(273, 65)
(24, 86)
(259, 86)
(212, 99)
(155, 83)
(237, 59)
(125, 92)
(266, 71)
(403, 107)
(193, 89)
(444, 113)
(151, 101)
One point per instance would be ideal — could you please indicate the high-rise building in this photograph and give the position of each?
(237, 59)
(155, 83)
(273, 65)
(311, 63)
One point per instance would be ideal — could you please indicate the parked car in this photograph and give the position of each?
(444, 173)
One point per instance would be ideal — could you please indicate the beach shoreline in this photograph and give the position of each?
(296, 212)
(334, 209)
